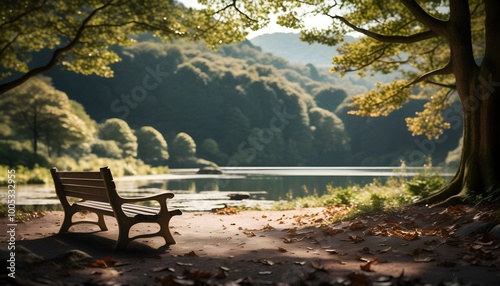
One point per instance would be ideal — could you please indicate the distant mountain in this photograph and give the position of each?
(290, 47)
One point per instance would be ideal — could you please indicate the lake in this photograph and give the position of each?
(202, 192)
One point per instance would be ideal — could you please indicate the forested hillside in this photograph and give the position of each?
(237, 106)
(290, 47)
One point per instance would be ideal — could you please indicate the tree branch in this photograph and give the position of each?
(233, 4)
(55, 55)
(442, 71)
(436, 25)
(385, 38)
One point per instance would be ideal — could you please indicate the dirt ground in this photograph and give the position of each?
(414, 246)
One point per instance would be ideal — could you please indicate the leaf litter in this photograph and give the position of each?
(439, 226)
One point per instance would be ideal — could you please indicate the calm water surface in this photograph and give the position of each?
(265, 185)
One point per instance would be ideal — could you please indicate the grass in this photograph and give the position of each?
(396, 192)
(41, 175)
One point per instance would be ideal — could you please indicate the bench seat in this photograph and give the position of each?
(97, 193)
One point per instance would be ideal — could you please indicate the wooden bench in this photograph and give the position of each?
(96, 192)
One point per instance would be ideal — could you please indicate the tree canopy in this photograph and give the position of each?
(78, 34)
(440, 48)
(39, 112)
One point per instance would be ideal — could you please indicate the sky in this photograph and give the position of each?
(272, 27)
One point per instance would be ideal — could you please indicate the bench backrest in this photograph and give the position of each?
(83, 185)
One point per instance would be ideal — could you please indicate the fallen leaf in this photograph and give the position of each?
(356, 238)
(267, 262)
(423, 259)
(268, 227)
(384, 250)
(162, 268)
(332, 251)
(190, 254)
(357, 225)
(368, 266)
(184, 264)
(281, 249)
(249, 233)
(98, 263)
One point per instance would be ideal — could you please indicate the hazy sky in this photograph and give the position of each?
(272, 27)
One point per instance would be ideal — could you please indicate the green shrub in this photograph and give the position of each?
(425, 184)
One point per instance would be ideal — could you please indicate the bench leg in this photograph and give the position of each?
(123, 238)
(164, 227)
(165, 233)
(67, 221)
(101, 223)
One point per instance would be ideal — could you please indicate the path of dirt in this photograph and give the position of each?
(301, 247)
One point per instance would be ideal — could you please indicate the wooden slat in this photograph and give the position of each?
(138, 209)
(107, 209)
(88, 197)
(83, 182)
(88, 175)
(86, 190)
(93, 205)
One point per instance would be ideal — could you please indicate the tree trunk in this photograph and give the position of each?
(478, 174)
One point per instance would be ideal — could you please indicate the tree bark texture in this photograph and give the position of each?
(479, 91)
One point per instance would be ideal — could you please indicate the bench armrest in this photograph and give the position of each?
(159, 198)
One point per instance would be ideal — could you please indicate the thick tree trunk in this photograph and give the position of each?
(479, 90)
(479, 170)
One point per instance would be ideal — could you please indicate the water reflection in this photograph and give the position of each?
(263, 184)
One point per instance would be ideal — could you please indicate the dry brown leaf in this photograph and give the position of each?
(332, 231)
(384, 250)
(369, 265)
(184, 264)
(281, 249)
(356, 238)
(190, 254)
(356, 225)
(98, 263)
(423, 259)
(226, 211)
(249, 233)
(267, 262)
(268, 227)
(332, 251)
(163, 268)
(359, 257)
(454, 210)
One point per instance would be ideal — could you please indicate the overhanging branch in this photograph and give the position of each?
(55, 55)
(442, 71)
(386, 38)
(436, 25)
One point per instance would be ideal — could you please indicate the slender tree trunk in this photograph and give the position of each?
(479, 90)
(35, 131)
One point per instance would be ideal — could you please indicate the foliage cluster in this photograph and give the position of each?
(232, 103)
(44, 128)
(120, 167)
(378, 195)
(240, 106)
